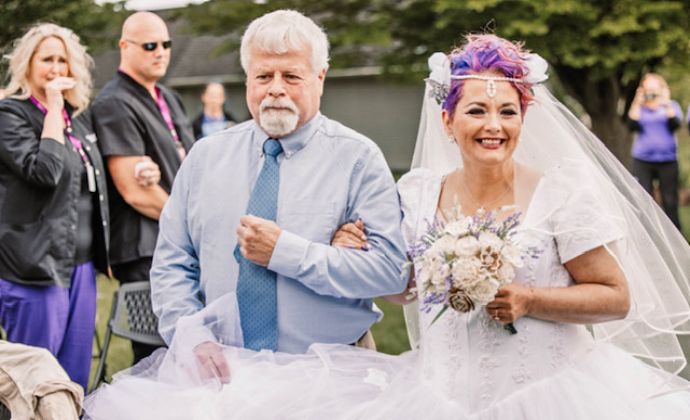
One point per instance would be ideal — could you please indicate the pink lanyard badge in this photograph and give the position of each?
(167, 117)
(90, 175)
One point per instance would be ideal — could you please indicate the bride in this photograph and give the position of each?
(596, 311)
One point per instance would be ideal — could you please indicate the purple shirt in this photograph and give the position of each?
(655, 142)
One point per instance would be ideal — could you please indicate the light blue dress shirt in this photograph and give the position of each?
(329, 175)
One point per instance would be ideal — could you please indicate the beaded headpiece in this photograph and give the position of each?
(440, 77)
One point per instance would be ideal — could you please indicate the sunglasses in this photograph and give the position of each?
(152, 46)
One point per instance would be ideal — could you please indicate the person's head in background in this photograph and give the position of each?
(654, 89)
(213, 99)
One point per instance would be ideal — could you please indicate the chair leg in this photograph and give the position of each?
(98, 349)
(100, 370)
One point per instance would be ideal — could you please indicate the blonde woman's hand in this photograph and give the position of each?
(55, 92)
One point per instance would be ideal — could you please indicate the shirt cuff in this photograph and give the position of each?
(288, 254)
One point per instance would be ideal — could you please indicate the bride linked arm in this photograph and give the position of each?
(600, 294)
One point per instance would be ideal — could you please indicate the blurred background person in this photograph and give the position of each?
(655, 118)
(213, 117)
(53, 212)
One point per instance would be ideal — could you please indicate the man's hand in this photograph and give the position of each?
(257, 238)
(211, 362)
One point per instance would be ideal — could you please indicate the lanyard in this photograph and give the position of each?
(90, 175)
(165, 112)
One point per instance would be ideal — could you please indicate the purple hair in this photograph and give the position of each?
(488, 53)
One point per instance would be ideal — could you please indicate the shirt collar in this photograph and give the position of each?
(293, 142)
(136, 85)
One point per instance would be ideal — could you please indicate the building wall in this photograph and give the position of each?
(386, 112)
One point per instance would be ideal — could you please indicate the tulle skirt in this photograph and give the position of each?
(342, 382)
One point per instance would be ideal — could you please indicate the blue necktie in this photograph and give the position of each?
(256, 285)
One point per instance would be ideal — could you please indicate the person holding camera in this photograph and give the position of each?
(655, 118)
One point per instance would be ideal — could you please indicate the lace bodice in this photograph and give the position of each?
(470, 356)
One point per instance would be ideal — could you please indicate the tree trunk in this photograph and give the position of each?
(614, 133)
(600, 98)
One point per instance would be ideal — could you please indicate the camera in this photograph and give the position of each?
(650, 96)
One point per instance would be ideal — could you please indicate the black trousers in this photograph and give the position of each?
(667, 175)
(130, 272)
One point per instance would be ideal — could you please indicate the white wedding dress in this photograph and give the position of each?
(468, 367)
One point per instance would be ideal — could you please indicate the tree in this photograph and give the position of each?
(597, 49)
(357, 29)
(96, 25)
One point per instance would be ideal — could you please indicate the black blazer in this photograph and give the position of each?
(40, 185)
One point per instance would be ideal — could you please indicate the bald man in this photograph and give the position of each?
(135, 117)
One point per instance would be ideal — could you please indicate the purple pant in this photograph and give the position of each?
(58, 319)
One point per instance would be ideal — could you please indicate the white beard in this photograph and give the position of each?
(278, 123)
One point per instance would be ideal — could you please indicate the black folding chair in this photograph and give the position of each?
(131, 317)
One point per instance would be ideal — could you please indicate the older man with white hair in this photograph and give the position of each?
(275, 189)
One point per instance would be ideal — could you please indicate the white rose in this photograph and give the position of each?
(490, 240)
(468, 245)
(457, 228)
(511, 255)
(443, 245)
(438, 272)
(483, 292)
(466, 271)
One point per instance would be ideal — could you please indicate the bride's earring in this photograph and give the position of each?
(451, 139)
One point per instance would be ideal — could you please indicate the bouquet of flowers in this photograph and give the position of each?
(462, 263)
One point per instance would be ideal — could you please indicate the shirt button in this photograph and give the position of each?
(73, 227)
(105, 223)
(87, 148)
(100, 197)
(98, 172)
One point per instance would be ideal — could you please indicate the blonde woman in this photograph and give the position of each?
(53, 200)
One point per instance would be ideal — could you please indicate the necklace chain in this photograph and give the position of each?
(487, 204)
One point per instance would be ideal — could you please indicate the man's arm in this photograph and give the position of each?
(175, 270)
(338, 271)
(147, 200)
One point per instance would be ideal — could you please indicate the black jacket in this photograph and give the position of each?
(196, 124)
(40, 184)
(128, 123)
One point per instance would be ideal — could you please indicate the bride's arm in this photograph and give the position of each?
(600, 294)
